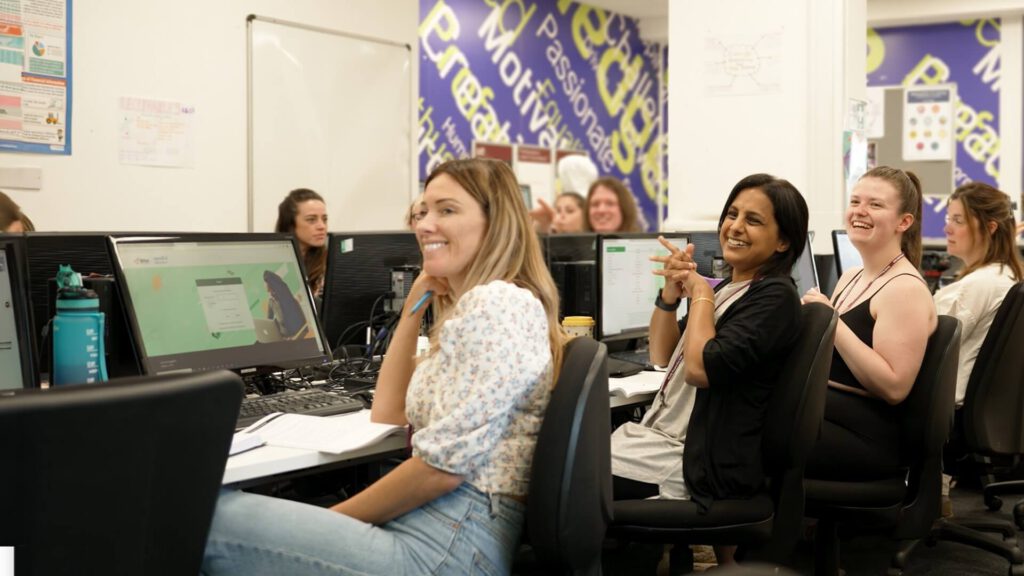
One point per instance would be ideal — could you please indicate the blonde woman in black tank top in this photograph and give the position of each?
(886, 316)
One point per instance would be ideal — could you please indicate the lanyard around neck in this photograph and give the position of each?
(846, 293)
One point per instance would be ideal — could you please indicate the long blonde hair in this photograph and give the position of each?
(510, 249)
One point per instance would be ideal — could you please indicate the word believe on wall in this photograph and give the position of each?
(553, 73)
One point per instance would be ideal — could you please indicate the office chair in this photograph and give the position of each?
(909, 502)
(992, 417)
(569, 504)
(116, 478)
(769, 524)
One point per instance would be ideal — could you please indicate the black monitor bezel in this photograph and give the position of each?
(673, 237)
(13, 245)
(809, 254)
(835, 250)
(332, 294)
(140, 346)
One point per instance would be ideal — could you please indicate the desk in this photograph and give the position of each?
(263, 463)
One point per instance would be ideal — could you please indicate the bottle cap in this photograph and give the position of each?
(578, 321)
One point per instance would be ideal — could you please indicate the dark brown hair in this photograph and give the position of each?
(983, 204)
(315, 259)
(10, 213)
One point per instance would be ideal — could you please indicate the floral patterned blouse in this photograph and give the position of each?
(477, 403)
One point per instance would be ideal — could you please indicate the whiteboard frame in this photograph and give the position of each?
(250, 199)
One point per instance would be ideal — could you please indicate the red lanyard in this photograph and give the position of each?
(839, 305)
(679, 358)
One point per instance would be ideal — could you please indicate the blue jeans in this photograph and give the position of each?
(463, 532)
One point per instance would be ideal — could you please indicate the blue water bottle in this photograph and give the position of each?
(78, 356)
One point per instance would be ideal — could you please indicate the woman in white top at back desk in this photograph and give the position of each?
(475, 402)
(979, 231)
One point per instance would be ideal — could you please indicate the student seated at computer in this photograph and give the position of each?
(980, 231)
(303, 213)
(475, 402)
(565, 218)
(723, 358)
(886, 315)
(12, 219)
(611, 207)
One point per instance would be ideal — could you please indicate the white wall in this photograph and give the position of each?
(190, 51)
(793, 132)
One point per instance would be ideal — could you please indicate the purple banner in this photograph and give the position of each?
(968, 54)
(547, 73)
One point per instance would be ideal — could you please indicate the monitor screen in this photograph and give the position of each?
(846, 254)
(17, 365)
(706, 248)
(571, 260)
(239, 303)
(363, 269)
(805, 273)
(626, 286)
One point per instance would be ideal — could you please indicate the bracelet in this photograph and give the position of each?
(702, 299)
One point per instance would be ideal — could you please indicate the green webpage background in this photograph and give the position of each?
(170, 314)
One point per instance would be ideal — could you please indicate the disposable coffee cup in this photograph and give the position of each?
(578, 326)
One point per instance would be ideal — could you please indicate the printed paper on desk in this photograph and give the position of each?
(645, 382)
(335, 434)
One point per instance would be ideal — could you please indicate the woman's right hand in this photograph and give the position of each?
(543, 216)
(424, 283)
(676, 269)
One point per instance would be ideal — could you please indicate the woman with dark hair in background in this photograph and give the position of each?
(886, 315)
(303, 214)
(611, 208)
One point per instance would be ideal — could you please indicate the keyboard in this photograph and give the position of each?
(642, 357)
(312, 401)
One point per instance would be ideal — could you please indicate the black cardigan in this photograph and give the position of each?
(722, 456)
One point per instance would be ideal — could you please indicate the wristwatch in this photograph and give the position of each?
(665, 305)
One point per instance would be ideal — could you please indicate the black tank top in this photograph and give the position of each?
(858, 319)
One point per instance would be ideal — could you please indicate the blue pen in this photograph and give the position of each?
(419, 303)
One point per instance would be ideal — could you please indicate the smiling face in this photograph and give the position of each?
(604, 211)
(963, 234)
(750, 234)
(873, 216)
(450, 230)
(568, 215)
(311, 224)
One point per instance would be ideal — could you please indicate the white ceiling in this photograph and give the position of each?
(634, 8)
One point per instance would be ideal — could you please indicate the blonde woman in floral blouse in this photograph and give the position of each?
(475, 402)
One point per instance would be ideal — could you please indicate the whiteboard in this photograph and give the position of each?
(332, 112)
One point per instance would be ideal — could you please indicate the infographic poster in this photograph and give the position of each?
(35, 76)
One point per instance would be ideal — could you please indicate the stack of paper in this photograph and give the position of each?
(335, 434)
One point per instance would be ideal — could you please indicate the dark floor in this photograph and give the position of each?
(870, 555)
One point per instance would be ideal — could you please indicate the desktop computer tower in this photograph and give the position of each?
(577, 287)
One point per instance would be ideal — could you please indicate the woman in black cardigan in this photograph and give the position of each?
(733, 340)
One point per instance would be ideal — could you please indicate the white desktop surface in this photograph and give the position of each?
(267, 461)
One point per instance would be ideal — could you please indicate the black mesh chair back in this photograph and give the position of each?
(994, 402)
(569, 505)
(117, 478)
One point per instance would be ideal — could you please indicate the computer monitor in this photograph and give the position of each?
(17, 346)
(846, 254)
(706, 248)
(805, 272)
(569, 247)
(238, 302)
(626, 286)
(367, 275)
